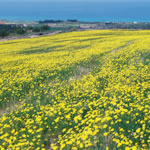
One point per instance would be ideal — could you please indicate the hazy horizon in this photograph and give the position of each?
(74, 1)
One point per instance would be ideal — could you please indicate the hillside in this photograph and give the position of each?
(87, 90)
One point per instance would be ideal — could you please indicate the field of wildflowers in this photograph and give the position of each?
(87, 90)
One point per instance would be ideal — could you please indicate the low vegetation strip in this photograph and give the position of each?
(68, 92)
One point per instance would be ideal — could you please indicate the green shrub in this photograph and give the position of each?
(45, 27)
(20, 31)
(3, 33)
(36, 29)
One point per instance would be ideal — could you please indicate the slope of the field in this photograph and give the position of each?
(85, 90)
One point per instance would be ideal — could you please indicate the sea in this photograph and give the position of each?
(137, 11)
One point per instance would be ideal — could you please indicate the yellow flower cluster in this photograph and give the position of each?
(79, 90)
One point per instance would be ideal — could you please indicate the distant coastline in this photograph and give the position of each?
(80, 20)
(10, 30)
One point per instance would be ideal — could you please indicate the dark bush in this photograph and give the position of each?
(45, 27)
(3, 33)
(36, 29)
(29, 28)
(20, 31)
